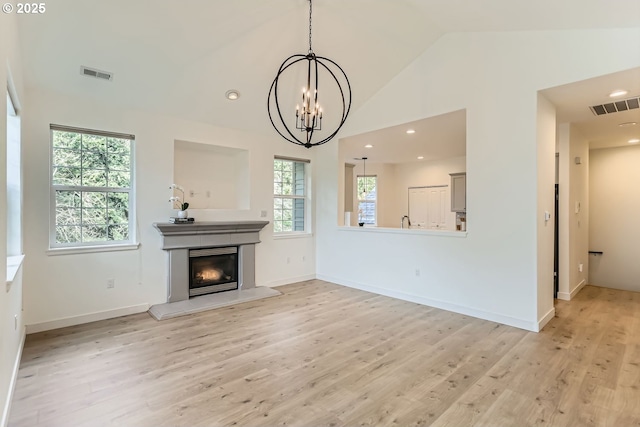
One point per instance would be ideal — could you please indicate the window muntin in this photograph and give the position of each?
(92, 187)
(289, 196)
(367, 199)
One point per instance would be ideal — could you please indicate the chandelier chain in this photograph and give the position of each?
(310, 5)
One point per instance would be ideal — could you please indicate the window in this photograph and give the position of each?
(367, 199)
(91, 187)
(289, 195)
(14, 181)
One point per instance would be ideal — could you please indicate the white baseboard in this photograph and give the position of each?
(12, 384)
(567, 296)
(468, 311)
(546, 318)
(86, 318)
(281, 282)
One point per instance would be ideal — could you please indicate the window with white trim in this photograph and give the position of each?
(91, 187)
(289, 195)
(367, 199)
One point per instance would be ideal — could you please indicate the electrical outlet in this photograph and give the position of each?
(288, 260)
(417, 272)
(580, 267)
(111, 283)
(263, 214)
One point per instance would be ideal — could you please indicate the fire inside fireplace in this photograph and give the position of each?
(213, 270)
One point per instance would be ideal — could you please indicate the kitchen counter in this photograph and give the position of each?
(408, 231)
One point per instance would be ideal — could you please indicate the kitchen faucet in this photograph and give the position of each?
(402, 221)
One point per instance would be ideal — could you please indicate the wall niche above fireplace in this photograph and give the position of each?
(214, 177)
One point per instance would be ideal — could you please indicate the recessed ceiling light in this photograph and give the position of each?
(627, 124)
(616, 93)
(420, 157)
(368, 146)
(634, 141)
(232, 95)
(411, 131)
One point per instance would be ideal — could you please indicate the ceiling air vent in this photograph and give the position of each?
(614, 107)
(92, 72)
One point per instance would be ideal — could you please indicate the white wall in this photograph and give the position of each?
(493, 272)
(574, 226)
(11, 315)
(68, 289)
(613, 227)
(546, 163)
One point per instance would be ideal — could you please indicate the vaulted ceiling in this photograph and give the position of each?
(180, 57)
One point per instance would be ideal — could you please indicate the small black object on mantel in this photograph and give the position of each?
(361, 224)
(176, 220)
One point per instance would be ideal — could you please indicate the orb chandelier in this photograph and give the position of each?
(305, 127)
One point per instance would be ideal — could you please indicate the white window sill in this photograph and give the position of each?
(415, 231)
(13, 265)
(92, 249)
(278, 236)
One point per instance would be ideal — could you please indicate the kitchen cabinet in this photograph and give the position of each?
(458, 192)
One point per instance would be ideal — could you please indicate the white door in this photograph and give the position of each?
(428, 207)
(436, 207)
(418, 207)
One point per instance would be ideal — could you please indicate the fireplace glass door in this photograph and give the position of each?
(213, 270)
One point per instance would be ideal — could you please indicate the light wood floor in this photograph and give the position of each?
(323, 354)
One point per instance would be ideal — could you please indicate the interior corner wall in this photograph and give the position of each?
(492, 273)
(574, 203)
(546, 159)
(11, 314)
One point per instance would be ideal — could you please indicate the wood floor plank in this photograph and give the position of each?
(322, 354)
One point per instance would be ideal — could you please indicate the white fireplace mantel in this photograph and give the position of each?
(177, 239)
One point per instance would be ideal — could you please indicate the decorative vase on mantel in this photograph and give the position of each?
(183, 214)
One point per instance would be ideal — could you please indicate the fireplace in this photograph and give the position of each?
(185, 243)
(213, 270)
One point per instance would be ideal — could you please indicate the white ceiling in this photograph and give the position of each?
(435, 138)
(180, 57)
(572, 104)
